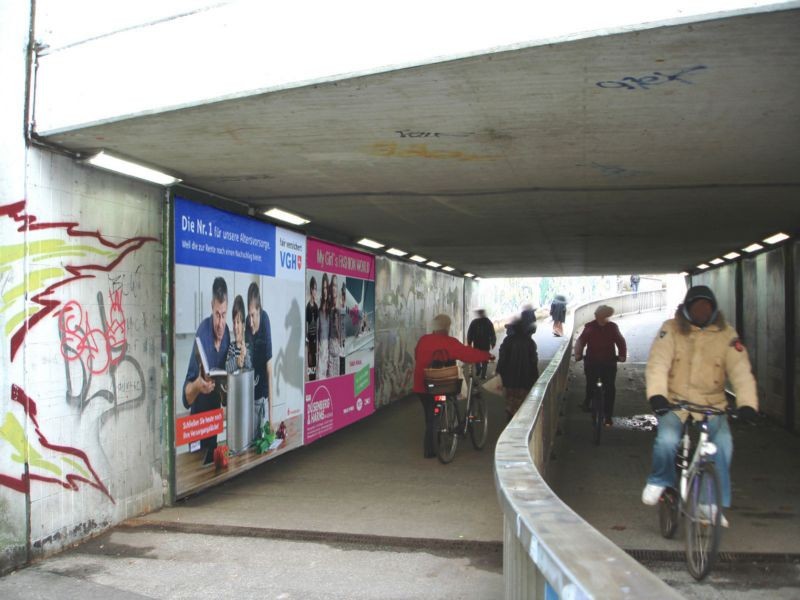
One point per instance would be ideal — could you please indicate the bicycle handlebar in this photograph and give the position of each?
(698, 408)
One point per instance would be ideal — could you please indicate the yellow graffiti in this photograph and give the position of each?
(33, 281)
(47, 248)
(422, 151)
(77, 467)
(12, 432)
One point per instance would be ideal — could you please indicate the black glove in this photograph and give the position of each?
(659, 404)
(747, 414)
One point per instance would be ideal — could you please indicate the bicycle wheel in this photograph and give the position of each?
(703, 514)
(668, 512)
(597, 414)
(445, 433)
(478, 423)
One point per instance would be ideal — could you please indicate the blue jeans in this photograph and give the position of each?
(666, 445)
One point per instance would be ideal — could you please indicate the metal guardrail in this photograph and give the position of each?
(549, 551)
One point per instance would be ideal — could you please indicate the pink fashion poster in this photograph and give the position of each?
(340, 338)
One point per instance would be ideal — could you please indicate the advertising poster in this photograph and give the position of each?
(239, 296)
(340, 338)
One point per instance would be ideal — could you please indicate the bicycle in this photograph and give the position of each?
(597, 407)
(598, 411)
(699, 496)
(450, 424)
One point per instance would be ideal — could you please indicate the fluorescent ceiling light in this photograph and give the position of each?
(478, 278)
(396, 252)
(448, 269)
(778, 237)
(683, 274)
(104, 160)
(717, 261)
(753, 247)
(433, 263)
(702, 266)
(418, 258)
(732, 255)
(369, 243)
(286, 217)
(469, 275)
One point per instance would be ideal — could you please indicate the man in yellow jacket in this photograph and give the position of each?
(691, 358)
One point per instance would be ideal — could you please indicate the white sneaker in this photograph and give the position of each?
(652, 493)
(709, 511)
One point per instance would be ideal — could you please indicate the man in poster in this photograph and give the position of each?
(312, 317)
(259, 335)
(200, 393)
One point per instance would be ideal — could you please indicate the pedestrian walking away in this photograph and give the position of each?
(518, 363)
(429, 346)
(481, 335)
(558, 312)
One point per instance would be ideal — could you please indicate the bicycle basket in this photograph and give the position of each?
(441, 377)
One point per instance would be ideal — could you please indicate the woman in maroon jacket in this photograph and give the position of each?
(437, 343)
(605, 347)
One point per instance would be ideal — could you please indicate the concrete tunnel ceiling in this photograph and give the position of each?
(646, 151)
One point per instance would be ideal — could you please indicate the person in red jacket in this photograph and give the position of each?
(604, 347)
(429, 347)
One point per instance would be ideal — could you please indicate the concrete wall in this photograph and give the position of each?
(767, 322)
(14, 20)
(723, 281)
(80, 336)
(796, 366)
(407, 297)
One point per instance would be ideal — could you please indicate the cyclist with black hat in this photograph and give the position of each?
(691, 358)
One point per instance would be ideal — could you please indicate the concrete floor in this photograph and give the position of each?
(360, 514)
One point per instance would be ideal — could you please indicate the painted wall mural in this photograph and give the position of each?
(407, 299)
(80, 330)
(83, 254)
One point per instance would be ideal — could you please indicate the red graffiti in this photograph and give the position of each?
(16, 211)
(70, 481)
(98, 349)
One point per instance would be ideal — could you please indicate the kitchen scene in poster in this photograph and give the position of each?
(239, 331)
(340, 338)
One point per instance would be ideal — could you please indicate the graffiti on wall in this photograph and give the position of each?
(93, 339)
(45, 461)
(82, 254)
(407, 299)
(389, 149)
(645, 82)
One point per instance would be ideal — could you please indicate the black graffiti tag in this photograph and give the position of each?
(645, 82)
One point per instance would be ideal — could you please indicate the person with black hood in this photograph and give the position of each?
(558, 312)
(518, 363)
(481, 335)
(691, 358)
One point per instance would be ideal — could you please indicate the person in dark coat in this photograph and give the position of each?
(558, 312)
(603, 346)
(518, 364)
(481, 335)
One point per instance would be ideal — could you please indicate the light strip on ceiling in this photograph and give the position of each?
(285, 216)
(732, 255)
(754, 247)
(433, 263)
(370, 243)
(774, 239)
(109, 162)
(396, 252)
(448, 269)
(418, 258)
